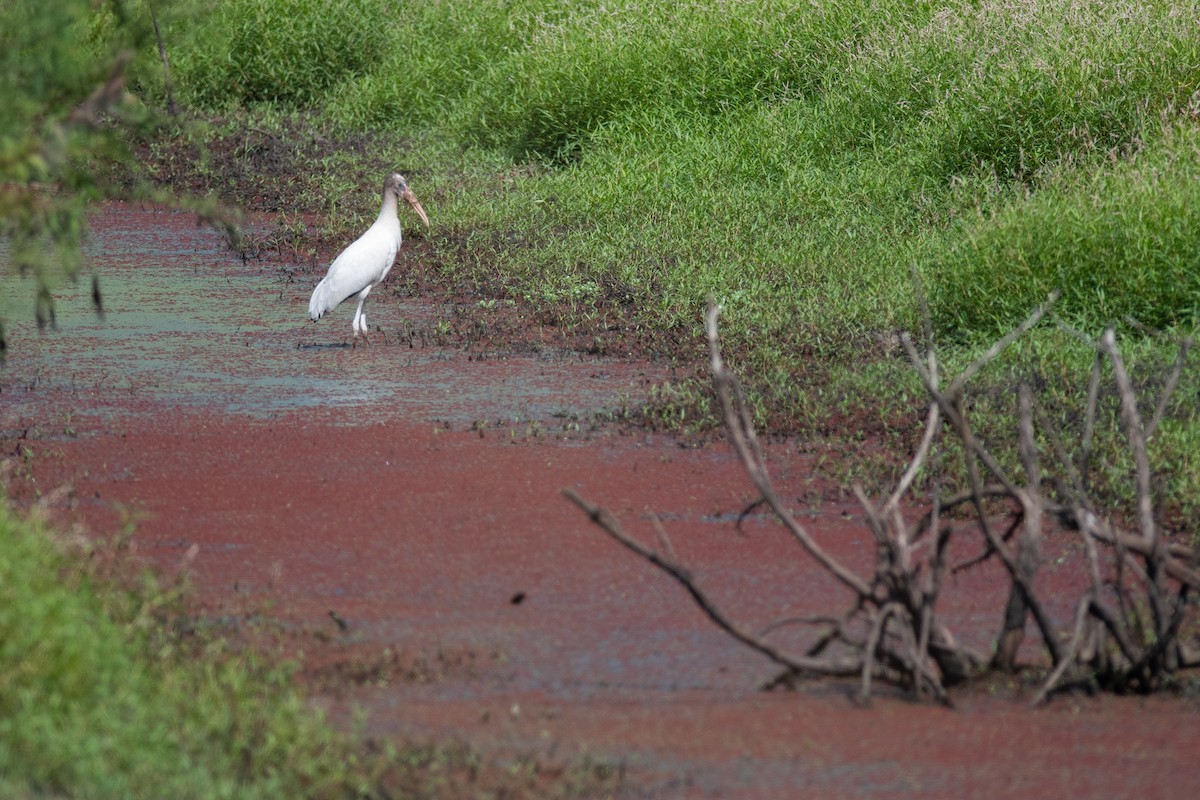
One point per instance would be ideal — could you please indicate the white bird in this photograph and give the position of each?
(364, 264)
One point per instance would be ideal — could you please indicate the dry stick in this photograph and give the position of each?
(891, 567)
(664, 541)
(1169, 388)
(926, 629)
(924, 678)
(932, 427)
(601, 517)
(1081, 615)
(1016, 570)
(1089, 422)
(1084, 521)
(976, 452)
(1021, 600)
(933, 583)
(958, 668)
(958, 383)
(1115, 624)
(877, 629)
(1093, 399)
(954, 417)
(741, 431)
(1135, 434)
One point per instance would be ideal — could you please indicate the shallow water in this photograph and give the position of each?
(188, 324)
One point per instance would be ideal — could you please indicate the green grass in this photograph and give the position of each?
(1120, 240)
(619, 162)
(99, 699)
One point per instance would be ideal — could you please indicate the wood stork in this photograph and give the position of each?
(364, 264)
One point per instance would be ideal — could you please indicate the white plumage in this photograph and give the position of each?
(366, 262)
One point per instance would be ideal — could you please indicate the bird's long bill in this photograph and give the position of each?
(412, 200)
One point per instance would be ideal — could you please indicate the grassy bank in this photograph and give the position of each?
(100, 696)
(617, 163)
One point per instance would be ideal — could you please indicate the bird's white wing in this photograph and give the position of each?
(365, 262)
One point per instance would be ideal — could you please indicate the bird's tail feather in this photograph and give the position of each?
(321, 303)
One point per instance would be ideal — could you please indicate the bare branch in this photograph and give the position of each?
(664, 541)
(932, 428)
(1168, 390)
(891, 627)
(741, 430)
(1135, 434)
(998, 346)
(869, 654)
(601, 517)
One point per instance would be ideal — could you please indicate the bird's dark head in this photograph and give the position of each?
(396, 185)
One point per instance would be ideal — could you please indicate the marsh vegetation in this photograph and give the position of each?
(608, 166)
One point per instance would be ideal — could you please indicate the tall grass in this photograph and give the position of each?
(546, 100)
(1118, 238)
(289, 53)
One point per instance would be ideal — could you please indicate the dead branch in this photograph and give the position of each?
(1168, 390)
(741, 431)
(601, 517)
(989, 355)
(1125, 629)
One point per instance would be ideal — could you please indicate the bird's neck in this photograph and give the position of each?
(387, 213)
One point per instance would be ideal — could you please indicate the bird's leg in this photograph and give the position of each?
(360, 319)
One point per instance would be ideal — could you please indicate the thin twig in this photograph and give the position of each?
(1168, 390)
(1033, 319)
